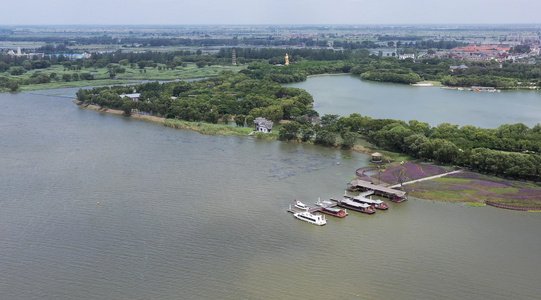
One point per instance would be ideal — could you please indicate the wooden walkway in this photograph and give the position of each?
(427, 178)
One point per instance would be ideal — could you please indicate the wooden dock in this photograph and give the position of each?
(377, 189)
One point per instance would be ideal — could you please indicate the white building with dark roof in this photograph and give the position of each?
(263, 125)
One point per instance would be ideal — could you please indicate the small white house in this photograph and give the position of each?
(133, 97)
(263, 125)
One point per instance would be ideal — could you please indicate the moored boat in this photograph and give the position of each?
(300, 205)
(376, 203)
(311, 218)
(398, 199)
(323, 203)
(340, 213)
(356, 206)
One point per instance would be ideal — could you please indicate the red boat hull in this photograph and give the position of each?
(340, 214)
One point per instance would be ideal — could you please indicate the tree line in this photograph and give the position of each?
(270, 41)
(511, 150)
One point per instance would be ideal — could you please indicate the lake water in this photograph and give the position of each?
(346, 94)
(97, 206)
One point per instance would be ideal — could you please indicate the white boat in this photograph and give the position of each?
(323, 203)
(300, 205)
(379, 204)
(311, 218)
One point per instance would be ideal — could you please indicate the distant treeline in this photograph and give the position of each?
(494, 74)
(412, 42)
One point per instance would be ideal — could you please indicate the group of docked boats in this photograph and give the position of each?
(308, 216)
(363, 204)
(357, 203)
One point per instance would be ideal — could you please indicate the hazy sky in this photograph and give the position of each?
(142, 12)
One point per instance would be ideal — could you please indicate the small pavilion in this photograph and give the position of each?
(377, 157)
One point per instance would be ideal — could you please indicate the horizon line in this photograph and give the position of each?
(283, 24)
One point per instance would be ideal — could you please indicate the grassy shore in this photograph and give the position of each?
(211, 129)
(204, 128)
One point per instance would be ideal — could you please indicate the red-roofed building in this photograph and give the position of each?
(480, 52)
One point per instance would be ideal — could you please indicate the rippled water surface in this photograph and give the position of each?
(97, 206)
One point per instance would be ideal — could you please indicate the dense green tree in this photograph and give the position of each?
(226, 118)
(239, 120)
(212, 116)
(307, 132)
(17, 71)
(325, 137)
(3, 67)
(127, 106)
(250, 120)
(289, 131)
(200, 64)
(330, 122)
(348, 140)
(12, 85)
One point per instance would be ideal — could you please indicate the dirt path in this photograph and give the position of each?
(426, 178)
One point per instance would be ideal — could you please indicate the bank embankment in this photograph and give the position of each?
(119, 112)
(204, 128)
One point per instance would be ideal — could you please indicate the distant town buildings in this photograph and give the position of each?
(20, 54)
(461, 67)
(30, 55)
(521, 38)
(479, 53)
(405, 56)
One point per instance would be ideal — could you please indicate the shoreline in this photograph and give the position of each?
(119, 112)
(328, 74)
(215, 129)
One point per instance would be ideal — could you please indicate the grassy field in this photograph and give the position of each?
(101, 75)
(474, 187)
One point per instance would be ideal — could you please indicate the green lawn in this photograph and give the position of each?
(101, 75)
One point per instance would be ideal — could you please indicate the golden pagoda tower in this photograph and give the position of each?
(287, 60)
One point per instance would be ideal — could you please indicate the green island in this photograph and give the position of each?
(507, 156)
